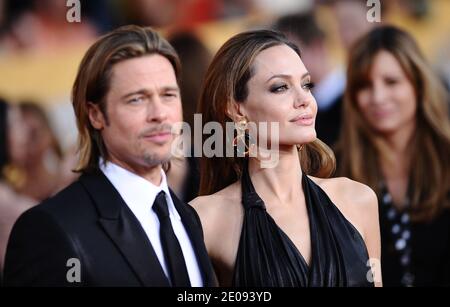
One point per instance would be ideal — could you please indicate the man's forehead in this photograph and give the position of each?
(147, 63)
(143, 71)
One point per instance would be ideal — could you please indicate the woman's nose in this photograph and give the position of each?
(378, 93)
(302, 99)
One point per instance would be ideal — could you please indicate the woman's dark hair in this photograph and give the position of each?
(226, 82)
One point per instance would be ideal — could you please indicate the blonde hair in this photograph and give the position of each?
(225, 83)
(360, 150)
(93, 78)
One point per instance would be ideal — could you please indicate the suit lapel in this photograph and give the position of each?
(125, 230)
(196, 236)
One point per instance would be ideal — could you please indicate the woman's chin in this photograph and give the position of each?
(306, 138)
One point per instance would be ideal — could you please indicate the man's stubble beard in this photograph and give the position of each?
(151, 158)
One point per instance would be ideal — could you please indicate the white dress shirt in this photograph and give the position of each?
(139, 194)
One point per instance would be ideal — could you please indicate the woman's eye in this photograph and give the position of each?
(308, 86)
(390, 81)
(279, 88)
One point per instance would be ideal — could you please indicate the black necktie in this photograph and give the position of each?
(171, 247)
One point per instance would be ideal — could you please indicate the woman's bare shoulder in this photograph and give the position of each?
(347, 189)
(357, 201)
(221, 216)
(222, 200)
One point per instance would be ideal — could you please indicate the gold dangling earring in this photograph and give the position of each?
(241, 127)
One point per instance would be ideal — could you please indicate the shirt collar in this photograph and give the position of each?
(137, 192)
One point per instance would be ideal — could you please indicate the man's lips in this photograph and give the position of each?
(158, 137)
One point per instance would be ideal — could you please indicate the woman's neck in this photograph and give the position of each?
(396, 167)
(397, 161)
(279, 182)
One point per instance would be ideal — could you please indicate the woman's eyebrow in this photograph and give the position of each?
(284, 76)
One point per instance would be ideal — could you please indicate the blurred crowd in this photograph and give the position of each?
(38, 132)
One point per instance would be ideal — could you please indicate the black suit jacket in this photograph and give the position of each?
(90, 221)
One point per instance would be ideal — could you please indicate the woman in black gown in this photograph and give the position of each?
(276, 225)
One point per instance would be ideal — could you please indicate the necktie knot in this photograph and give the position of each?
(160, 206)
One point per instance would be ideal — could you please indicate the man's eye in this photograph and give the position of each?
(136, 100)
(170, 95)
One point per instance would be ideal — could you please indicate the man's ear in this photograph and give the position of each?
(236, 111)
(96, 116)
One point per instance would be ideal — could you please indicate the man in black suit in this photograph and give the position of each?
(119, 224)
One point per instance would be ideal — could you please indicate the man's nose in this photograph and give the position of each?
(156, 110)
